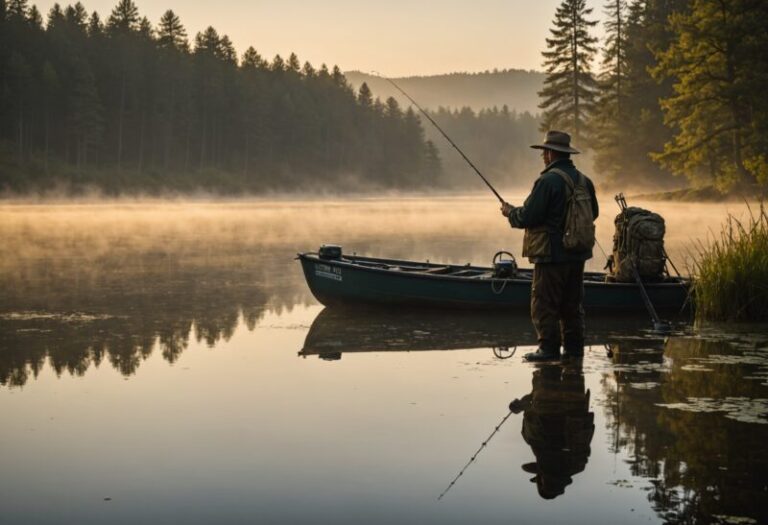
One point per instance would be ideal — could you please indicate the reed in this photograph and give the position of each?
(731, 272)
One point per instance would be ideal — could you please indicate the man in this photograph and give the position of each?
(557, 293)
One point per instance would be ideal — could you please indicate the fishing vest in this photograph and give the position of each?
(579, 226)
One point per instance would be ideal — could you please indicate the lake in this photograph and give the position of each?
(164, 362)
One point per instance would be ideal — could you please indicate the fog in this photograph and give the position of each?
(456, 229)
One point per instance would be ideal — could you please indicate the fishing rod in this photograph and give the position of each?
(474, 456)
(451, 142)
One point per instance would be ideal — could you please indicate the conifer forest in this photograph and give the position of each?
(122, 103)
(669, 95)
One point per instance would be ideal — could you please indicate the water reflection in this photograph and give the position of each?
(78, 318)
(691, 413)
(558, 426)
(686, 419)
(338, 331)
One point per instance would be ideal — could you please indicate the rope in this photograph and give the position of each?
(503, 285)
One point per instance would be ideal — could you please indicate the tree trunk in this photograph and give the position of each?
(47, 139)
(141, 141)
(169, 128)
(120, 124)
(21, 134)
(575, 65)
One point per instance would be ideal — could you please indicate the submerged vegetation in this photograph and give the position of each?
(732, 271)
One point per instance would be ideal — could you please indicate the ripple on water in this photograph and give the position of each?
(65, 317)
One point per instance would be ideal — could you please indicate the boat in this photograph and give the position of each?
(339, 279)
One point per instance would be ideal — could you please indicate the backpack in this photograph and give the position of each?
(639, 237)
(579, 230)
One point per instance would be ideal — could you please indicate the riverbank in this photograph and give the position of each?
(708, 194)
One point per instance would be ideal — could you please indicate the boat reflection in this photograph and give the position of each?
(338, 331)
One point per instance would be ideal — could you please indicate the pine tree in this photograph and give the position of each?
(51, 87)
(35, 18)
(364, 96)
(307, 70)
(278, 64)
(77, 17)
(124, 17)
(569, 88)
(17, 9)
(207, 43)
(718, 110)
(95, 27)
(226, 51)
(293, 63)
(252, 59)
(145, 29)
(86, 120)
(171, 33)
(610, 120)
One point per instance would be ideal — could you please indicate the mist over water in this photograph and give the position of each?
(165, 362)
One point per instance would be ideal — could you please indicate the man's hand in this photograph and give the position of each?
(506, 209)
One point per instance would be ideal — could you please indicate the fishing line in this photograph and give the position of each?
(474, 456)
(451, 142)
(601, 248)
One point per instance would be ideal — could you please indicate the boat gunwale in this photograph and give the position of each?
(680, 282)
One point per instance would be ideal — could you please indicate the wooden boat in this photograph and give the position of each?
(348, 280)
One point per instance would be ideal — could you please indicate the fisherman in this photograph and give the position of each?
(557, 292)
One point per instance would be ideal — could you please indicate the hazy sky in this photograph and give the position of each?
(398, 37)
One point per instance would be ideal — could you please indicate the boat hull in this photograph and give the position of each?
(348, 282)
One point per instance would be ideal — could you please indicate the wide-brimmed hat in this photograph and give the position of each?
(557, 141)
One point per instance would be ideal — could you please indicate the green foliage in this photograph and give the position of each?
(717, 111)
(127, 106)
(568, 96)
(628, 122)
(732, 272)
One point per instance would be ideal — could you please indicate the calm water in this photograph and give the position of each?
(165, 363)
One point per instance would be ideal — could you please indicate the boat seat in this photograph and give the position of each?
(468, 273)
(440, 269)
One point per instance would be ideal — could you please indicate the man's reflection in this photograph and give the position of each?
(558, 426)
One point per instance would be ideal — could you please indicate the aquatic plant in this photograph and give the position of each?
(731, 272)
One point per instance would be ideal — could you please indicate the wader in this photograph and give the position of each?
(556, 307)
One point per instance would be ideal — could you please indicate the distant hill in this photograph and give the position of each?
(516, 88)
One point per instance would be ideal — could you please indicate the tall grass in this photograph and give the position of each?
(731, 272)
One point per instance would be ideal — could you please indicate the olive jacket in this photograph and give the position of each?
(546, 206)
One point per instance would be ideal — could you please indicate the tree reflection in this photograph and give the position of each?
(130, 313)
(679, 409)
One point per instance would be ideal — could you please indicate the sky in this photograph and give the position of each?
(395, 38)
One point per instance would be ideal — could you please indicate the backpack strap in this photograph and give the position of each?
(567, 178)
